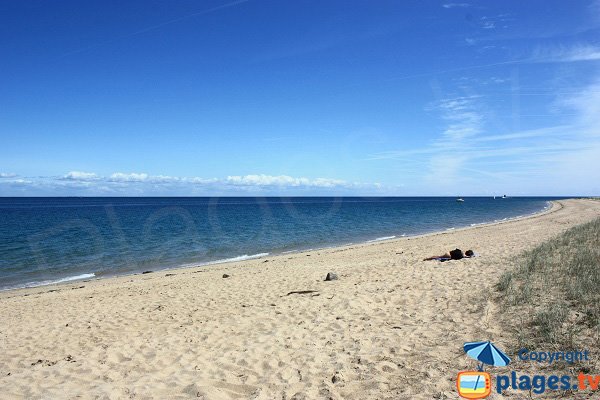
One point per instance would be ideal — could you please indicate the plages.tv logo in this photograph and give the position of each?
(478, 384)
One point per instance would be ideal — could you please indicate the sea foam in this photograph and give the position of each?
(381, 238)
(51, 282)
(238, 258)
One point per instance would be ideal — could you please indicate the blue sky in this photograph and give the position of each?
(299, 97)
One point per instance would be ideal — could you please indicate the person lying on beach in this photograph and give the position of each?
(455, 254)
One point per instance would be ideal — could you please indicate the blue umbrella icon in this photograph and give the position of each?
(486, 353)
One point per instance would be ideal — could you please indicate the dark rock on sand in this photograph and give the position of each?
(225, 276)
(331, 276)
(336, 378)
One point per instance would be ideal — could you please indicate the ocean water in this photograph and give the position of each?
(46, 240)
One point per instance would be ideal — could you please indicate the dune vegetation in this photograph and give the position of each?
(554, 291)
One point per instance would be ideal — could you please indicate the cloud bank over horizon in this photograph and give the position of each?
(142, 184)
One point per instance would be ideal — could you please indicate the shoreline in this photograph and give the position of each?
(391, 326)
(92, 277)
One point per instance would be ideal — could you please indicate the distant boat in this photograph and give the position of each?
(460, 200)
(504, 196)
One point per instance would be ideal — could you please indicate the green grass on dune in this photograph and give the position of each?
(556, 287)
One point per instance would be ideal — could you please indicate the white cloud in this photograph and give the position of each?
(80, 176)
(161, 179)
(447, 156)
(533, 133)
(468, 158)
(586, 105)
(456, 5)
(579, 52)
(199, 181)
(15, 182)
(323, 182)
(7, 175)
(135, 177)
(131, 177)
(464, 119)
(283, 180)
(487, 24)
(495, 21)
(137, 183)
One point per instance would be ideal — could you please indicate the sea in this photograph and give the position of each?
(50, 240)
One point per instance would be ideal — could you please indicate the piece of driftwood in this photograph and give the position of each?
(302, 292)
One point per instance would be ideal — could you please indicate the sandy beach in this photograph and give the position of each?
(391, 327)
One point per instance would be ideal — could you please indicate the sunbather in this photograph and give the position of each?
(455, 254)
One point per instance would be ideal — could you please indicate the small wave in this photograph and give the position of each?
(52, 282)
(381, 238)
(238, 258)
(450, 229)
(75, 278)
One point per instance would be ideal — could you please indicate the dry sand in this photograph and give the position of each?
(392, 326)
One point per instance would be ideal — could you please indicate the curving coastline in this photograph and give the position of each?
(89, 274)
(271, 327)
